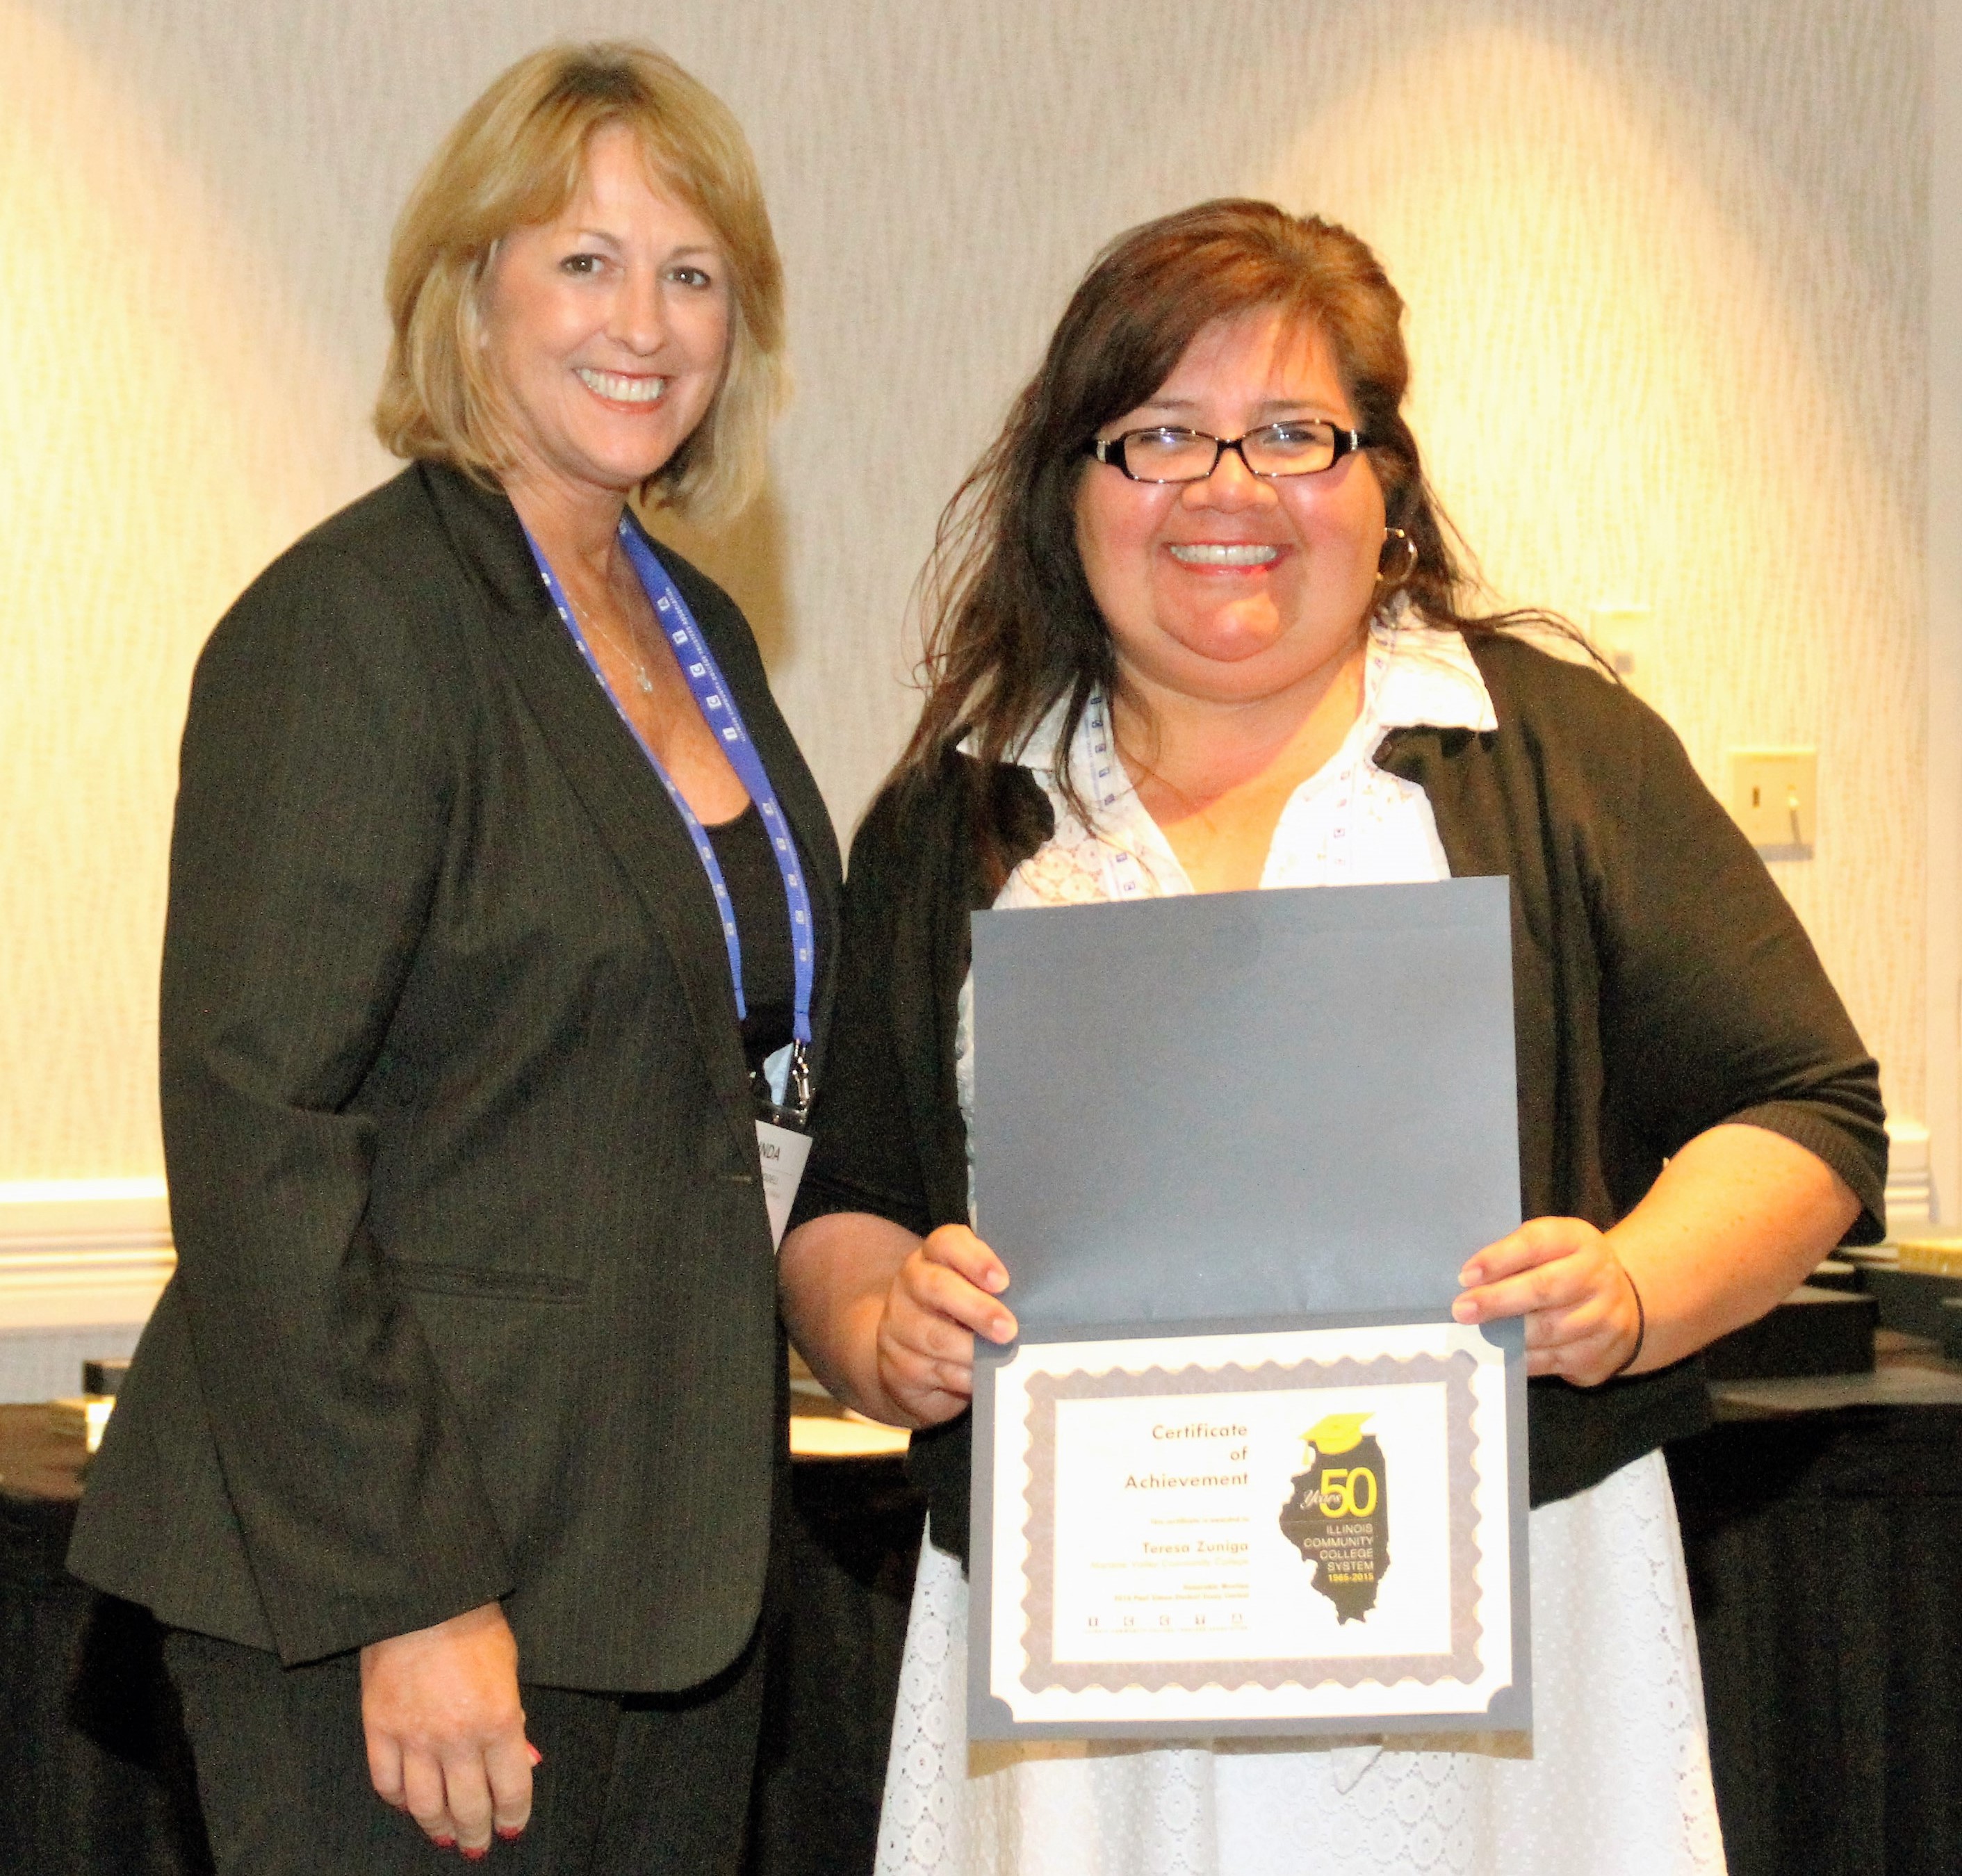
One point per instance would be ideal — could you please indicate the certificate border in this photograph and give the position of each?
(1510, 1710)
(1045, 1390)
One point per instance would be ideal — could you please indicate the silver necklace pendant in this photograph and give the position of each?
(642, 676)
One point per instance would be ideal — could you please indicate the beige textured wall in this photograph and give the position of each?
(1667, 261)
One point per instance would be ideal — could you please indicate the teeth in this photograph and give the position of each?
(622, 389)
(1241, 554)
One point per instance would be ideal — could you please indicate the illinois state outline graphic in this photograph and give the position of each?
(1337, 1516)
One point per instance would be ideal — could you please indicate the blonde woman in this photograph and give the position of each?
(500, 899)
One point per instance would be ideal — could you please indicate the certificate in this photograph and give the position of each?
(1279, 1532)
(1242, 1473)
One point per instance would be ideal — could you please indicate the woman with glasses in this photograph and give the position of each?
(1204, 535)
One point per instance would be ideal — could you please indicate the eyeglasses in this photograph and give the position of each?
(1303, 446)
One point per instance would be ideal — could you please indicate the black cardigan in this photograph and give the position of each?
(1661, 985)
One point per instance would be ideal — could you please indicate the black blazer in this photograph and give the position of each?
(475, 1295)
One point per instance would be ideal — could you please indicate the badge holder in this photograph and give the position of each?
(783, 1136)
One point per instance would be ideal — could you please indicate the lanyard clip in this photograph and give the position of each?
(788, 1102)
(797, 1090)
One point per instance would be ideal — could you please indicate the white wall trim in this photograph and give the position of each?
(82, 1253)
(1944, 614)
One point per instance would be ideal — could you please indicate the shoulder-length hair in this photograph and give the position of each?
(517, 157)
(1011, 628)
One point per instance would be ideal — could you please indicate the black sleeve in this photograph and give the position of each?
(865, 1154)
(312, 813)
(1715, 1006)
(890, 1136)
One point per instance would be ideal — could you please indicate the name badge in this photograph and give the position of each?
(783, 1151)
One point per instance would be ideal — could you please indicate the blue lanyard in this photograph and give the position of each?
(717, 705)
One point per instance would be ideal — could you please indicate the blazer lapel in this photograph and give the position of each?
(607, 772)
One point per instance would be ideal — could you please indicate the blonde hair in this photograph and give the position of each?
(517, 158)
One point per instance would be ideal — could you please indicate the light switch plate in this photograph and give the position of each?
(1775, 798)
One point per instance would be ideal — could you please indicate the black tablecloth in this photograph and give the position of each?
(94, 1774)
(847, 1568)
(1824, 1540)
(1825, 1555)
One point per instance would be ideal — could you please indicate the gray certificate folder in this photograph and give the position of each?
(1293, 1103)
(1231, 1113)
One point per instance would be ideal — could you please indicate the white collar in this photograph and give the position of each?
(1416, 676)
(1425, 677)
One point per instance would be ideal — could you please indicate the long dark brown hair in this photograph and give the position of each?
(1011, 626)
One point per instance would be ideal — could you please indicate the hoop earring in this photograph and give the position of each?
(1409, 558)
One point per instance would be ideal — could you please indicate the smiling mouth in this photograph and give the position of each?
(621, 388)
(1234, 554)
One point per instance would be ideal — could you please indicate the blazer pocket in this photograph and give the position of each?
(459, 1280)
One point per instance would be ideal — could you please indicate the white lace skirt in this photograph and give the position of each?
(1618, 1785)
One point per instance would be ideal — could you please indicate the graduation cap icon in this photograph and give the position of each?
(1333, 1433)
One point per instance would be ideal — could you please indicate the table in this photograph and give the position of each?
(1822, 1522)
(98, 1776)
(845, 1572)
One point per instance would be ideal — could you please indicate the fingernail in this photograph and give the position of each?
(444, 1843)
(537, 1757)
(476, 1856)
(1465, 1310)
(1470, 1275)
(998, 1279)
(510, 1832)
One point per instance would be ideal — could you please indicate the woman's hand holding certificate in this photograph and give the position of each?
(941, 1298)
(1735, 1220)
(1584, 1318)
(887, 1319)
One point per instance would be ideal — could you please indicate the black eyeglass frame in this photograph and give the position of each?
(1111, 449)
